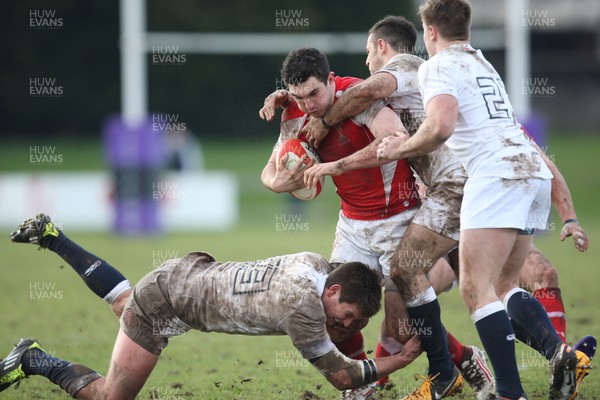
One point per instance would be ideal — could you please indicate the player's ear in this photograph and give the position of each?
(432, 32)
(333, 290)
(331, 78)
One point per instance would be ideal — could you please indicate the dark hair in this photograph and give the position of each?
(452, 18)
(360, 285)
(400, 33)
(301, 64)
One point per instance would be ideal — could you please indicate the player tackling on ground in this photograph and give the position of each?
(297, 295)
(506, 196)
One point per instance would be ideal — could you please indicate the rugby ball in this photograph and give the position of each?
(296, 149)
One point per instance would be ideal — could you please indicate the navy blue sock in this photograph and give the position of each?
(71, 377)
(524, 336)
(527, 311)
(38, 362)
(434, 339)
(497, 337)
(97, 274)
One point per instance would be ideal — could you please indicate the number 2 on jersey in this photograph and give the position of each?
(492, 95)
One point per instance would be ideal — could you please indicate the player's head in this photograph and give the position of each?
(388, 37)
(309, 80)
(351, 296)
(449, 20)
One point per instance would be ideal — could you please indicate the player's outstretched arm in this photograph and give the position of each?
(352, 102)
(563, 203)
(345, 373)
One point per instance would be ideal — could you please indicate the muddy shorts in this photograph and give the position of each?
(148, 318)
(370, 242)
(440, 209)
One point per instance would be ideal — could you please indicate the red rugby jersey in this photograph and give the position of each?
(368, 193)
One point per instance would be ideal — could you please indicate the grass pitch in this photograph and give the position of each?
(41, 297)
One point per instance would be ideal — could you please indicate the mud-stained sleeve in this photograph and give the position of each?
(292, 121)
(289, 129)
(366, 117)
(436, 79)
(306, 327)
(360, 372)
(398, 77)
(403, 69)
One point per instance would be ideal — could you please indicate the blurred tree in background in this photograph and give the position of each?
(216, 96)
(82, 56)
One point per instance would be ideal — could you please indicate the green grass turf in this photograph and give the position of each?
(77, 326)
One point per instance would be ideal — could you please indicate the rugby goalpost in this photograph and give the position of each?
(135, 42)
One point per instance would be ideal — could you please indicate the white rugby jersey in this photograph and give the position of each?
(487, 140)
(407, 103)
(278, 295)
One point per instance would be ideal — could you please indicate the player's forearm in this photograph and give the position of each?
(279, 182)
(354, 101)
(363, 372)
(280, 98)
(410, 351)
(426, 140)
(345, 373)
(561, 195)
(438, 126)
(270, 181)
(358, 98)
(364, 158)
(267, 175)
(388, 365)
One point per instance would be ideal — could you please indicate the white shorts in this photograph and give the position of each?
(370, 242)
(505, 203)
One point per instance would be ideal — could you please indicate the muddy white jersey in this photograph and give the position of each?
(278, 295)
(407, 103)
(487, 140)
